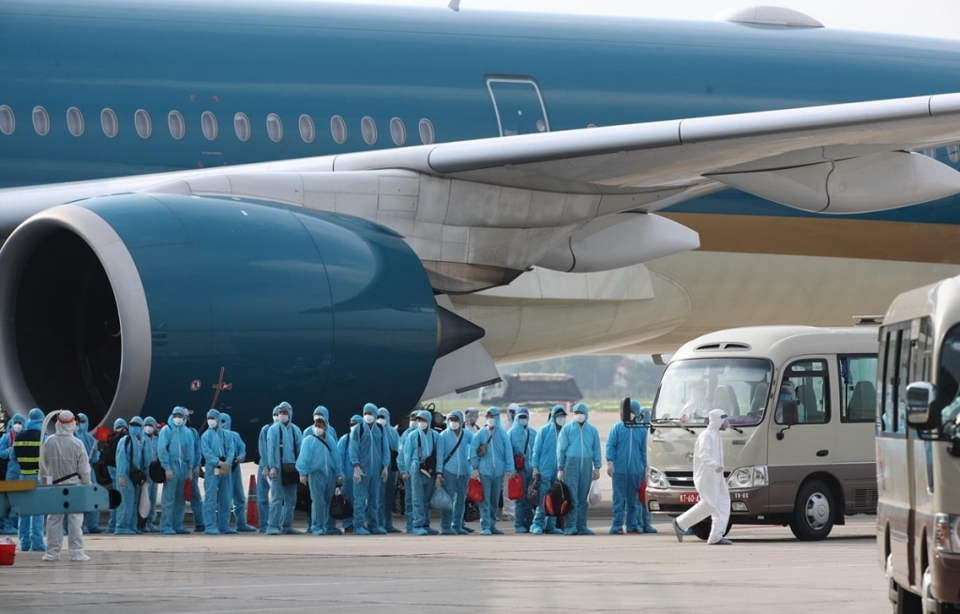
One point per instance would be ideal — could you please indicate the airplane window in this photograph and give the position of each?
(541, 126)
(591, 125)
(8, 122)
(241, 125)
(427, 134)
(953, 152)
(108, 121)
(141, 120)
(274, 127)
(41, 121)
(308, 131)
(176, 124)
(368, 128)
(208, 123)
(338, 128)
(398, 131)
(74, 121)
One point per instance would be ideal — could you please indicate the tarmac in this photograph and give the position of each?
(766, 570)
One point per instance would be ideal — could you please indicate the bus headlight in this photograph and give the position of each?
(748, 477)
(656, 479)
(946, 533)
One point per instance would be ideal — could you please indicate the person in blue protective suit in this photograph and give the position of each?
(284, 440)
(453, 471)
(218, 449)
(196, 498)
(579, 461)
(389, 489)
(149, 441)
(331, 526)
(370, 461)
(120, 429)
(646, 519)
(26, 448)
(403, 473)
(176, 452)
(238, 497)
(626, 465)
(263, 483)
(491, 457)
(91, 520)
(129, 458)
(14, 428)
(545, 466)
(321, 469)
(420, 460)
(343, 447)
(522, 439)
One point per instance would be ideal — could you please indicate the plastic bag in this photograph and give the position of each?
(475, 490)
(533, 491)
(596, 495)
(143, 506)
(441, 501)
(515, 487)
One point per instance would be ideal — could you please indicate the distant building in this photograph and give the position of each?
(532, 389)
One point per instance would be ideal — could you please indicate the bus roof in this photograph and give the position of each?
(780, 343)
(939, 301)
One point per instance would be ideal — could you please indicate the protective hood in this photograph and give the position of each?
(66, 423)
(18, 419)
(150, 421)
(455, 414)
(177, 411)
(643, 417)
(383, 412)
(581, 407)
(35, 414)
(322, 411)
(83, 421)
(513, 407)
(225, 421)
(495, 412)
(356, 419)
(136, 421)
(425, 415)
(119, 423)
(213, 413)
(557, 409)
(370, 408)
(285, 406)
(524, 412)
(717, 418)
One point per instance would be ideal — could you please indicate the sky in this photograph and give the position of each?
(937, 18)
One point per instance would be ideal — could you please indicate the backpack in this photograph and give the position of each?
(558, 502)
(108, 455)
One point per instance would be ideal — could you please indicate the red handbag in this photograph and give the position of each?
(642, 493)
(515, 487)
(475, 491)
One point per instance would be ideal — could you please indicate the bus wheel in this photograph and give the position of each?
(813, 511)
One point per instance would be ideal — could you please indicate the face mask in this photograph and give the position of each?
(422, 425)
(523, 421)
(413, 423)
(17, 427)
(212, 423)
(178, 422)
(471, 420)
(148, 430)
(284, 418)
(352, 424)
(491, 422)
(561, 420)
(136, 430)
(368, 418)
(455, 425)
(276, 418)
(382, 421)
(319, 431)
(580, 418)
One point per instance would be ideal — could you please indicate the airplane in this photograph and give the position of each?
(236, 203)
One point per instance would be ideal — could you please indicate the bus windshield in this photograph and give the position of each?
(948, 382)
(689, 389)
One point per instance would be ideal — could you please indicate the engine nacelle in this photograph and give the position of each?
(131, 304)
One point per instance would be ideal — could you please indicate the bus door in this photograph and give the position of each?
(854, 460)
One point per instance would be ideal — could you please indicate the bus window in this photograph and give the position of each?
(858, 392)
(888, 384)
(903, 380)
(806, 381)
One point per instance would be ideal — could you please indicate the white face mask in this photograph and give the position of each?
(561, 420)
(17, 428)
(491, 422)
(212, 423)
(276, 418)
(422, 425)
(319, 431)
(368, 418)
(148, 430)
(382, 421)
(523, 421)
(284, 418)
(580, 418)
(455, 425)
(178, 422)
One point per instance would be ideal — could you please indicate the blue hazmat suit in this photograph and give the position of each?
(343, 447)
(627, 459)
(388, 491)
(176, 452)
(404, 475)
(238, 497)
(119, 425)
(421, 445)
(30, 528)
(579, 458)
(646, 519)
(496, 462)
(9, 525)
(129, 457)
(283, 447)
(545, 465)
(320, 462)
(149, 456)
(218, 451)
(453, 463)
(325, 413)
(91, 520)
(522, 440)
(263, 485)
(369, 460)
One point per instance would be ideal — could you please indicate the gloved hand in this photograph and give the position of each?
(122, 481)
(238, 459)
(405, 477)
(169, 474)
(357, 475)
(536, 472)
(596, 475)
(720, 470)
(476, 474)
(609, 469)
(384, 474)
(265, 473)
(195, 474)
(439, 481)
(507, 475)
(303, 480)
(273, 473)
(340, 481)
(560, 475)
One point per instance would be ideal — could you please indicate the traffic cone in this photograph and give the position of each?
(252, 519)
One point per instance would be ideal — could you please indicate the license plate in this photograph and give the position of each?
(691, 498)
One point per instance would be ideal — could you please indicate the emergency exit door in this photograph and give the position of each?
(518, 105)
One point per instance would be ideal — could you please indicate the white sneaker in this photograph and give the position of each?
(79, 557)
(50, 557)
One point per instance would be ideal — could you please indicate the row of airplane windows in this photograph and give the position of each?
(210, 127)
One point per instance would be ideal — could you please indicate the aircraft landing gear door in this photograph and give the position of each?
(518, 105)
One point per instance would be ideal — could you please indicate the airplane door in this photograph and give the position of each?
(518, 105)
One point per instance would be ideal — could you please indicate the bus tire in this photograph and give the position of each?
(813, 512)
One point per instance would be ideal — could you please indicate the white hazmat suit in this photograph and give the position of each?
(64, 455)
(710, 483)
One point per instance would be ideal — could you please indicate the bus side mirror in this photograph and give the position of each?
(920, 396)
(625, 410)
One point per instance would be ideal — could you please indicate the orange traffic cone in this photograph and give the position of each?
(252, 518)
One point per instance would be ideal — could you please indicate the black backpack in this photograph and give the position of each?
(558, 502)
(108, 455)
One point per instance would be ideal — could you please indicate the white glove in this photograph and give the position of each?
(507, 475)
(169, 474)
(122, 481)
(560, 474)
(610, 469)
(476, 474)
(405, 477)
(265, 473)
(439, 481)
(303, 480)
(536, 472)
(273, 473)
(357, 475)
(720, 470)
(238, 459)
(596, 475)
(384, 474)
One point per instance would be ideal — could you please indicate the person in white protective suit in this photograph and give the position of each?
(710, 483)
(64, 460)
(698, 406)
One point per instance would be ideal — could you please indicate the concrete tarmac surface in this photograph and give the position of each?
(766, 570)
